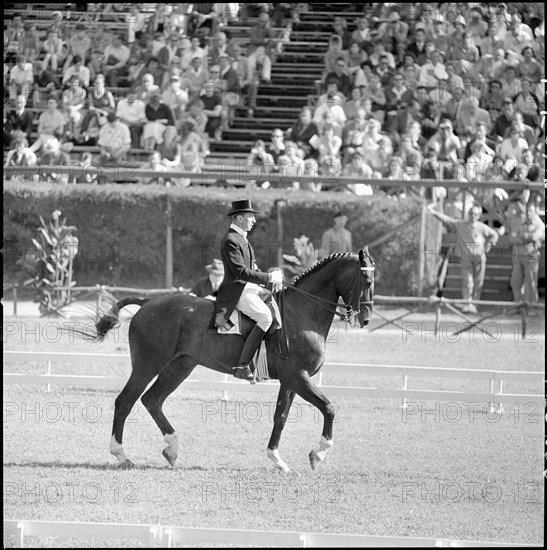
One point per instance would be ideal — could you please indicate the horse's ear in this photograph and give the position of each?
(361, 256)
(366, 250)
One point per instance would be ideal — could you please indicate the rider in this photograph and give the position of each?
(240, 287)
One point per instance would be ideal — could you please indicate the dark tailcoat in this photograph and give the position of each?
(239, 268)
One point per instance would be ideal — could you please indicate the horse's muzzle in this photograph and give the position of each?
(365, 313)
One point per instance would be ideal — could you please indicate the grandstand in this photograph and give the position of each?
(298, 78)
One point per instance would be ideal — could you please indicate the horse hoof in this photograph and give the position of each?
(314, 460)
(126, 465)
(283, 468)
(170, 456)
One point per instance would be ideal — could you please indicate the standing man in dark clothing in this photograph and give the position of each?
(208, 286)
(240, 288)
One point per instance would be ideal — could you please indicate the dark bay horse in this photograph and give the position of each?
(170, 335)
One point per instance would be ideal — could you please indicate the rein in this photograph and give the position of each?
(327, 304)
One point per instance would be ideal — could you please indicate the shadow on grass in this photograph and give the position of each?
(112, 466)
(90, 466)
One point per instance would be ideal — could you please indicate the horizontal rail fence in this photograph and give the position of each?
(434, 303)
(494, 396)
(246, 173)
(165, 536)
(418, 303)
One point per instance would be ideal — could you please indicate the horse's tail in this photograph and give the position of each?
(110, 319)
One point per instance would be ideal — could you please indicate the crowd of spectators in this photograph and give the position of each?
(448, 92)
(167, 82)
(407, 92)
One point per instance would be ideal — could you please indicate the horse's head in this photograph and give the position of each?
(357, 289)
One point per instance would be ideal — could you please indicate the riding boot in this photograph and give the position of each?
(250, 347)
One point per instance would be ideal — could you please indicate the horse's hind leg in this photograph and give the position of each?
(136, 384)
(170, 378)
(306, 389)
(284, 402)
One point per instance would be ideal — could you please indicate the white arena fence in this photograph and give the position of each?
(494, 396)
(158, 536)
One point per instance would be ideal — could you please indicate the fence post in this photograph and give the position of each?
(14, 300)
(98, 307)
(500, 409)
(437, 317)
(280, 204)
(492, 408)
(48, 389)
(168, 241)
(421, 251)
(405, 387)
(225, 396)
(167, 538)
(20, 536)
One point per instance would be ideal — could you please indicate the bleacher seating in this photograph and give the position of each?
(294, 73)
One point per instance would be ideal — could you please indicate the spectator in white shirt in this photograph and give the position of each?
(513, 146)
(114, 140)
(130, 111)
(135, 23)
(433, 70)
(50, 124)
(154, 164)
(77, 69)
(174, 96)
(116, 57)
(358, 168)
(53, 46)
(478, 161)
(333, 105)
(21, 78)
(291, 165)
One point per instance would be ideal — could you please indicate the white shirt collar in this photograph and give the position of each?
(238, 229)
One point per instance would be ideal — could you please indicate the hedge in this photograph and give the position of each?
(121, 229)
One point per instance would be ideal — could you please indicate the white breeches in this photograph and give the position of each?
(252, 305)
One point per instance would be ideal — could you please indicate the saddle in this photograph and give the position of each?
(236, 324)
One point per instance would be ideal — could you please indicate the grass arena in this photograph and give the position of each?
(439, 469)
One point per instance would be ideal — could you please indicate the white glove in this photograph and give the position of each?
(276, 277)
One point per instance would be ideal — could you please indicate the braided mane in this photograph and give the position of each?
(318, 265)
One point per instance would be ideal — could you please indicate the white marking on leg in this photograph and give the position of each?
(117, 450)
(273, 455)
(172, 441)
(325, 445)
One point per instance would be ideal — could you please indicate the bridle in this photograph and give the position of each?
(351, 313)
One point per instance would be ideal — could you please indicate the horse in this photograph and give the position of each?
(170, 335)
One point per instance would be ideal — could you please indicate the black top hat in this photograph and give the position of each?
(240, 207)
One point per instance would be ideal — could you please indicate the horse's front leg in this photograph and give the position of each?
(306, 389)
(284, 402)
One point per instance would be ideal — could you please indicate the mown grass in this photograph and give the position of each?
(450, 471)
